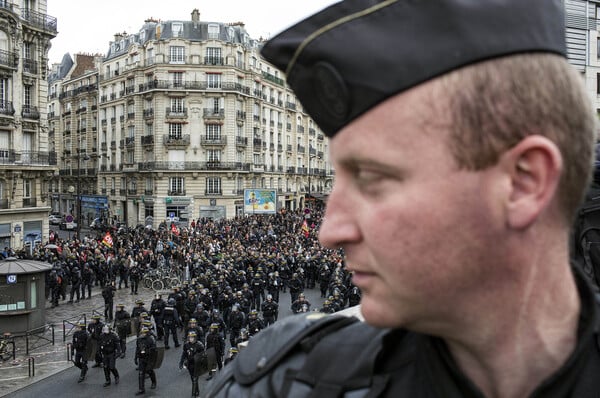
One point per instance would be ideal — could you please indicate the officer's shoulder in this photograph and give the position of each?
(288, 342)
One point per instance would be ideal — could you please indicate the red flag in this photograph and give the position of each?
(107, 241)
(174, 229)
(305, 229)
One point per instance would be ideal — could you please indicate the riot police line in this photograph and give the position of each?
(235, 269)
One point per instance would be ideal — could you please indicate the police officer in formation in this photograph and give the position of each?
(95, 330)
(156, 310)
(80, 339)
(255, 324)
(189, 357)
(216, 341)
(170, 322)
(193, 326)
(270, 310)
(237, 320)
(144, 351)
(110, 348)
(122, 326)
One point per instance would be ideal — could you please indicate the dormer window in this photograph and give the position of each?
(213, 31)
(177, 29)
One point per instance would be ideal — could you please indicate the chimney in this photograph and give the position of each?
(118, 36)
(195, 15)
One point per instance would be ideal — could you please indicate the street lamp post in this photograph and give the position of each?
(79, 207)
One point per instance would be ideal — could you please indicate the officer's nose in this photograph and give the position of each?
(338, 227)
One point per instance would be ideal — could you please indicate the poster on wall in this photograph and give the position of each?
(260, 201)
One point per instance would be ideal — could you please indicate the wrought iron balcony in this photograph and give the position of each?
(147, 140)
(6, 108)
(30, 112)
(8, 58)
(241, 141)
(175, 112)
(39, 20)
(213, 141)
(214, 113)
(183, 140)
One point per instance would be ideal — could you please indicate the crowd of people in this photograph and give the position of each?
(233, 273)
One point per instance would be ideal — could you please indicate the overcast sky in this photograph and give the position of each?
(89, 25)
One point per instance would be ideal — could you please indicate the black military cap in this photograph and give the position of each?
(353, 55)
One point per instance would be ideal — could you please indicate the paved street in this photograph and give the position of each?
(54, 376)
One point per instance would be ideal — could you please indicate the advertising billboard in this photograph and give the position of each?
(260, 201)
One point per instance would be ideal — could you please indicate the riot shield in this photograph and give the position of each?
(156, 358)
(90, 349)
(211, 358)
(124, 328)
(135, 326)
(200, 363)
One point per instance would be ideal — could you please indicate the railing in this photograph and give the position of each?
(35, 338)
(193, 166)
(28, 158)
(176, 112)
(29, 202)
(30, 112)
(43, 21)
(211, 112)
(68, 326)
(170, 140)
(147, 140)
(222, 140)
(8, 58)
(242, 141)
(30, 66)
(213, 60)
(6, 108)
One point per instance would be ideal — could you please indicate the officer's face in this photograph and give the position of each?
(415, 229)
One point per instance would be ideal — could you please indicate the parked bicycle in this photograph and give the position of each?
(6, 347)
(160, 279)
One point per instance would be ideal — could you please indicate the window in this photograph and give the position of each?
(176, 185)
(213, 131)
(213, 80)
(177, 79)
(176, 105)
(213, 31)
(257, 159)
(149, 129)
(4, 143)
(27, 100)
(130, 157)
(4, 95)
(213, 185)
(177, 54)
(213, 155)
(213, 56)
(131, 132)
(175, 131)
(27, 188)
(177, 29)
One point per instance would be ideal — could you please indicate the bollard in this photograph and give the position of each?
(31, 366)
(69, 355)
(52, 326)
(64, 332)
(27, 343)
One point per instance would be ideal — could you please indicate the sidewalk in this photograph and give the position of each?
(51, 359)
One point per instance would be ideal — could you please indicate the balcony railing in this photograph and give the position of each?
(176, 112)
(213, 60)
(147, 140)
(241, 141)
(39, 20)
(193, 166)
(8, 58)
(208, 141)
(178, 192)
(25, 157)
(6, 108)
(29, 202)
(183, 140)
(30, 112)
(4, 204)
(30, 66)
(214, 113)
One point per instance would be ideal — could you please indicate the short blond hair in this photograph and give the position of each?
(495, 104)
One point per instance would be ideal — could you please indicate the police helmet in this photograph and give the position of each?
(254, 313)
(105, 329)
(192, 320)
(214, 326)
(120, 305)
(147, 324)
(269, 297)
(171, 301)
(139, 302)
(144, 315)
(96, 317)
(233, 350)
(192, 334)
(81, 324)
(301, 295)
(144, 330)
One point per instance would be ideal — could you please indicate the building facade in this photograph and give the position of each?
(26, 162)
(188, 116)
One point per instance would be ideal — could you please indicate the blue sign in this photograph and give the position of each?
(11, 279)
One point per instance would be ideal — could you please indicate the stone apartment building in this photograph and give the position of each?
(176, 121)
(26, 162)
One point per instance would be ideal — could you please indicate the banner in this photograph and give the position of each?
(260, 201)
(107, 240)
(305, 229)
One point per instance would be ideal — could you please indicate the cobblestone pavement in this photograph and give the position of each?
(52, 358)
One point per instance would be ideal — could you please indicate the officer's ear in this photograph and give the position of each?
(532, 171)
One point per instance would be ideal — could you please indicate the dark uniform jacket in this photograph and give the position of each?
(385, 363)
(80, 339)
(144, 347)
(109, 343)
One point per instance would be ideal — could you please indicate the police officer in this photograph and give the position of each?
(144, 348)
(95, 330)
(87, 279)
(233, 351)
(156, 310)
(255, 324)
(193, 326)
(298, 305)
(270, 310)
(134, 277)
(122, 326)
(170, 322)
(236, 321)
(75, 283)
(216, 341)
(109, 346)
(136, 312)
(191, 349)
(108, 293)
(80, 339)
